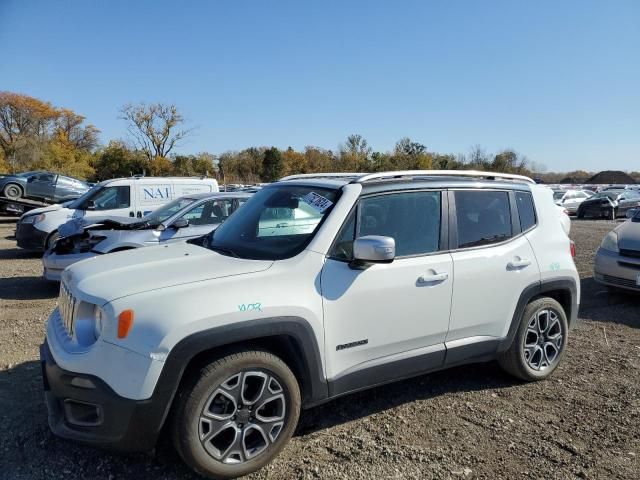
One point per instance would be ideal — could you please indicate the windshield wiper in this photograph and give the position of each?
(485, 240)
(224, 251)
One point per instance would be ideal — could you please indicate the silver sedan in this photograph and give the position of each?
(617, 262)
(178, 221)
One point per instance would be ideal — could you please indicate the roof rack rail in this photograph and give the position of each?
(443, 173)
(322, 175)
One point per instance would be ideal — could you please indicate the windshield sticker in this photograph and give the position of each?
(317, 202)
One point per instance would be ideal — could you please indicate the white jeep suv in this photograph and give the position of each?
(322, 286)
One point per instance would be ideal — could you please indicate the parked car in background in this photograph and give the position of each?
(46, 186)
(177, 221)
(617, 261)
(570, 199)
(320, 286)
(126, 197)
(609, 204)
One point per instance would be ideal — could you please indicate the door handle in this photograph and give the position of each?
(432, 277)
(518, 263)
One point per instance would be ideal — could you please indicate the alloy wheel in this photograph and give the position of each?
(242, 417)
(544, 340)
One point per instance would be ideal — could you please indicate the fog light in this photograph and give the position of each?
(82, 414)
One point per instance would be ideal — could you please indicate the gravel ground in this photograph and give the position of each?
(468, 422)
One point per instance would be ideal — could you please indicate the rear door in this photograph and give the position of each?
(493, 262)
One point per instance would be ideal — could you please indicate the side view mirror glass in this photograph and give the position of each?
(374, 249)
(180, 223)
(632, 212)
(91, 205)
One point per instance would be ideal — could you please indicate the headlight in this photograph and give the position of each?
(33, 218)
(610, 242)
(98, 318)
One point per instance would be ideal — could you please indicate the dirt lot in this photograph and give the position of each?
(470, 422)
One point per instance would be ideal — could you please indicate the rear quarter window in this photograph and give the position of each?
(526, 210)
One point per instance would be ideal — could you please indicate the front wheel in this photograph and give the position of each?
(539, 343)
(236, 414)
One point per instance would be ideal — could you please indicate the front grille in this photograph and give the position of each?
(623, 282)
(67, 305)
(630, 253)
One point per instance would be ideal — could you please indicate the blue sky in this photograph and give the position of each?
(557, 80)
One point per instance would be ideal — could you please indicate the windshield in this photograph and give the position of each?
(82, 200)
(161, 214)
(276, 223)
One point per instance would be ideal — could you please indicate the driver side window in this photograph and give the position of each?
(112, 198)
(412, 219)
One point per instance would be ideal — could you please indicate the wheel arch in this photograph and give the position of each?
(564, 290)
(290, 338)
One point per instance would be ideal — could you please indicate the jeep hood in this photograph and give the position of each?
(108, 277)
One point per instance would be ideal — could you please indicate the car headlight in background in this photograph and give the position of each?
(33, 219)
(98, 319)
(610, 242)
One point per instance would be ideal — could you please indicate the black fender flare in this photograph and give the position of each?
(566, 285)
(295, 328)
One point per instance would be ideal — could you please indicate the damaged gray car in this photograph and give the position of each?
(183, 219)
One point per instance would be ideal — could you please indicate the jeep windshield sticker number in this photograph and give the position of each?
(317, 202)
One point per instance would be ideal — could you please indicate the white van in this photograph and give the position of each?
(121, 197)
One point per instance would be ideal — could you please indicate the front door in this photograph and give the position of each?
(398, 310)
(41, 185)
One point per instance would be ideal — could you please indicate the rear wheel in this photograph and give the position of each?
(539, 343)
(13, 191)
(580, 214)
(236, 414)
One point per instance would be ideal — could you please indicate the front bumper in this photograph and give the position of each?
(84, 408)
(616, 270)
(54, 264)
(29, 237)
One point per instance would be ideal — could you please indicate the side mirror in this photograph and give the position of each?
(31, 179)
(632, 212)
(373, 249)
(180, 223)
(91, 205)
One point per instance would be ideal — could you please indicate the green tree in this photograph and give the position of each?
(272, 165)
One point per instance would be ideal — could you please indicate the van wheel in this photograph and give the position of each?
(539, 343)
(236, 414)
(12, 191)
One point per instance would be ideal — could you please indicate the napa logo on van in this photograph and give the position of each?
(154, 194)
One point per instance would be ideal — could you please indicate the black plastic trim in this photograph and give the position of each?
(563, 284)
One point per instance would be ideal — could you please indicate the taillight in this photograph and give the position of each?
(573, 249)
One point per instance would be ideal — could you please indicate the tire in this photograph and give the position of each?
(13, 191)
(235, 446)
(580, 214)
(51, 239)
(532, 363)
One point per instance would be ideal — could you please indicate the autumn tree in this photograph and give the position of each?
(156, 128)
(25, 124)
(355, 154)
(293, 162)
(118, 160)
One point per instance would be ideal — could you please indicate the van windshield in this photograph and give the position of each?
(277, 222)
(81, 201)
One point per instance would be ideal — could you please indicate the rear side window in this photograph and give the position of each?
(526, 210)
(483, 217)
